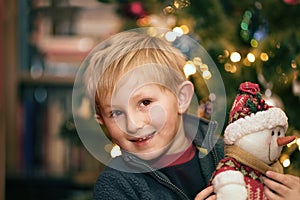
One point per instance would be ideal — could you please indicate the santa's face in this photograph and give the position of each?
(263, 144)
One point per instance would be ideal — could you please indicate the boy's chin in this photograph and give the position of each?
(150, 156)
(156, 159)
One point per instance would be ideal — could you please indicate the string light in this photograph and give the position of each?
(115, 151)
(233, 69)
(291, 143)
(203, 67)
(227, 67)
(189, 69)
(285, 158)
(185, 29)
(171, 36)
(197, 61)
(151, 31)
(206, 74)
(264, 56)
(181, 3)
(177, 4)
(246, 62)
(251, 57)
(168, 10)
(254, 43)
(286, 162)
(143, 21)
(298, 141)
(178, 30)
(235, 57)
(293, 64)
(230, 68)
(108, 148)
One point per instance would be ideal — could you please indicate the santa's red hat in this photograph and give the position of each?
(250, 113)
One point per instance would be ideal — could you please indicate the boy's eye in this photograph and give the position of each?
(115, 113)
(145, 103)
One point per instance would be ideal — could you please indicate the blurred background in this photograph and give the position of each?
(43, 43)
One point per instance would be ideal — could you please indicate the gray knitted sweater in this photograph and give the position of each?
(153, 184)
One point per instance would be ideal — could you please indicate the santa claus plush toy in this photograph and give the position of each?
(253, 140)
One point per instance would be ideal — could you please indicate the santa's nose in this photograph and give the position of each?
(281, 141)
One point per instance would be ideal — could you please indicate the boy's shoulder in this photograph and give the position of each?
(113, 184)
(117, 184)
(192, 122)
(203, 132)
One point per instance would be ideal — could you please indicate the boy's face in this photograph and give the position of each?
(143, 118)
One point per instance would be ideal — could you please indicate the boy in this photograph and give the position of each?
(141, 94)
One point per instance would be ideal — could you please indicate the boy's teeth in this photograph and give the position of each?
(141, 139)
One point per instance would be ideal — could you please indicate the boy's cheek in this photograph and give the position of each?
(158, 116)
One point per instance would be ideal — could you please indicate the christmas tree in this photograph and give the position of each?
(257, 41)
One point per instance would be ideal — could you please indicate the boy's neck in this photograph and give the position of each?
(176, 158)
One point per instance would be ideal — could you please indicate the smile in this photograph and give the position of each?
(143, 139)
(269, 156)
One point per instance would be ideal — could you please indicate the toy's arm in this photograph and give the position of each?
(230, 185)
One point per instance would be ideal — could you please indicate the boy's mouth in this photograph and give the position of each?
(143, 139)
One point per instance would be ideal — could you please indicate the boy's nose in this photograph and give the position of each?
(135, 122)
(132, 126)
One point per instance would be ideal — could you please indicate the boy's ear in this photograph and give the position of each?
(98, 119)
(186, 91)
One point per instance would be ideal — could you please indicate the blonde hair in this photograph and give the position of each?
(127, 51)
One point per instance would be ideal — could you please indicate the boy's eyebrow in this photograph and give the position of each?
(137, 96)
(140, 95)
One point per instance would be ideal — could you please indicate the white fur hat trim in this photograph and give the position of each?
(259, 121)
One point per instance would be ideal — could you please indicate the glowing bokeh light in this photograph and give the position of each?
(170, 36)
(298, 141)
(197, 61)
(152, 32)
(203, 67)
(286, 162)
(264, 56)
(185, 29)
(115, 151)
(254, 43)
(293, 64)
(235, 57)
(168, 10)
(206, 74)
(251, 57)
(178, 30)
(189, 69)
